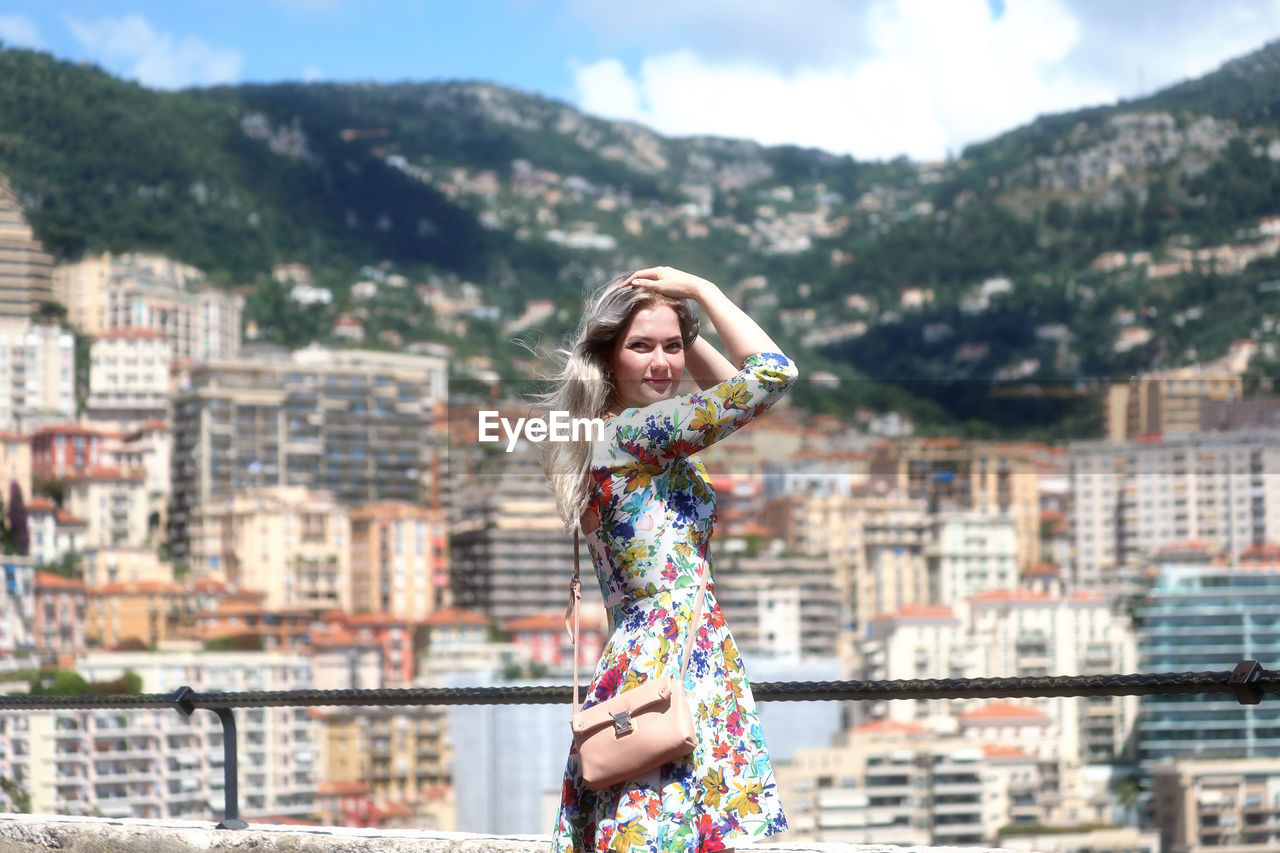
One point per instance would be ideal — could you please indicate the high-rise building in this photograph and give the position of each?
(129, 378)
(399, 560)
(779, 606)
(1132, 498)
(354, 423)
(947, 473)
(37, 375)
(971, 552)
(290, 542)
(25, 267)
(1217, 804)
(875, 544)
(1204, 618)
(109, 292)
(510, 555)
(1007, 634)
(159, 764)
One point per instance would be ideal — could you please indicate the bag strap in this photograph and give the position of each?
(575, 599)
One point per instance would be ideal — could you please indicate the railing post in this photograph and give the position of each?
(1243, 682)
(181, 700)
(231, 772)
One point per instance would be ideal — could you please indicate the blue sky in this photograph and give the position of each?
(874, 78)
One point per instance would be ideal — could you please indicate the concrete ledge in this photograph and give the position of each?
(30, 833)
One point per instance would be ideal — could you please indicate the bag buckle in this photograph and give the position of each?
(622, 723)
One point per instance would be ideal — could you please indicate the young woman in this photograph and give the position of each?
(645, 506)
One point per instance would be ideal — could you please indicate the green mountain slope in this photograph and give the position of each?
(529, 198)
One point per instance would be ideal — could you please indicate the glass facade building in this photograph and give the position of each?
(1208, 618)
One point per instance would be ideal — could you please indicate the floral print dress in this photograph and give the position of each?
(657, 513)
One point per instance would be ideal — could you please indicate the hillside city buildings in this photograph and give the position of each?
(227, 517)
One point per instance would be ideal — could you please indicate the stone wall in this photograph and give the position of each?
(32, 833)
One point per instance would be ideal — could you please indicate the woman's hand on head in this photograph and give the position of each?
(671, 282)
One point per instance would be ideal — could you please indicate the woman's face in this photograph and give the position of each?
(648, 358)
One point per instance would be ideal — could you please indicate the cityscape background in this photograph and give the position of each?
(246, 329)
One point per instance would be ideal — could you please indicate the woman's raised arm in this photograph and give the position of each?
(742, 336)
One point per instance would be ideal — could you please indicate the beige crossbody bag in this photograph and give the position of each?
(639, 729)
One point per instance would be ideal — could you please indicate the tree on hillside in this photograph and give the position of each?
(19, 533)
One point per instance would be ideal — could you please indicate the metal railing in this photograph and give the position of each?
(1247, 684)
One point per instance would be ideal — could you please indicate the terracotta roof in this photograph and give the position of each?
(48, 580)
(1003, 712)
(548, 621)
(918, 611)
(41, 505)
(342, 789)
(64, 429)
(1009, 595)
(136, 588)
(5, 435)
(1044, 570)
(1261, 552)
(456, 616)
(888, 727)
(66, 519)
(379, 620)
(1186, 545)
(393, 810)
(995, 750)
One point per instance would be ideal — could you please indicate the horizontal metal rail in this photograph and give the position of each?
(1246, 684)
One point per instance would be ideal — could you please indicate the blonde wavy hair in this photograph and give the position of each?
(585, 388)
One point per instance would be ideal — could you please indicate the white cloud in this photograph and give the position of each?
(131, 46)
(312, 74)
(888, 77)
(19, 31)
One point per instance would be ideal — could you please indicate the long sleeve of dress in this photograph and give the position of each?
(689, 423)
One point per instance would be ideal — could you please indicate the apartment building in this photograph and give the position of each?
(542, 639)
(113, 504)
(1215, 804)
(54, 532)
(1170, 402)
(779, 606)
(892, 783)
(129, 382)
(1132, 498)
(62, 449)
(107, 292)
(971, 552)
(1006, 634)
(290, 542)
(124, 564)
(15, 461)
(355, 423)
(59, 618)
(17, 605)
(1198, 618)
(158, 764)
(403, 756)
(136, 614)
(37, 374)
(399, 560)
(25, 267)
(947, 473)
(511, 556)
(875, 543)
